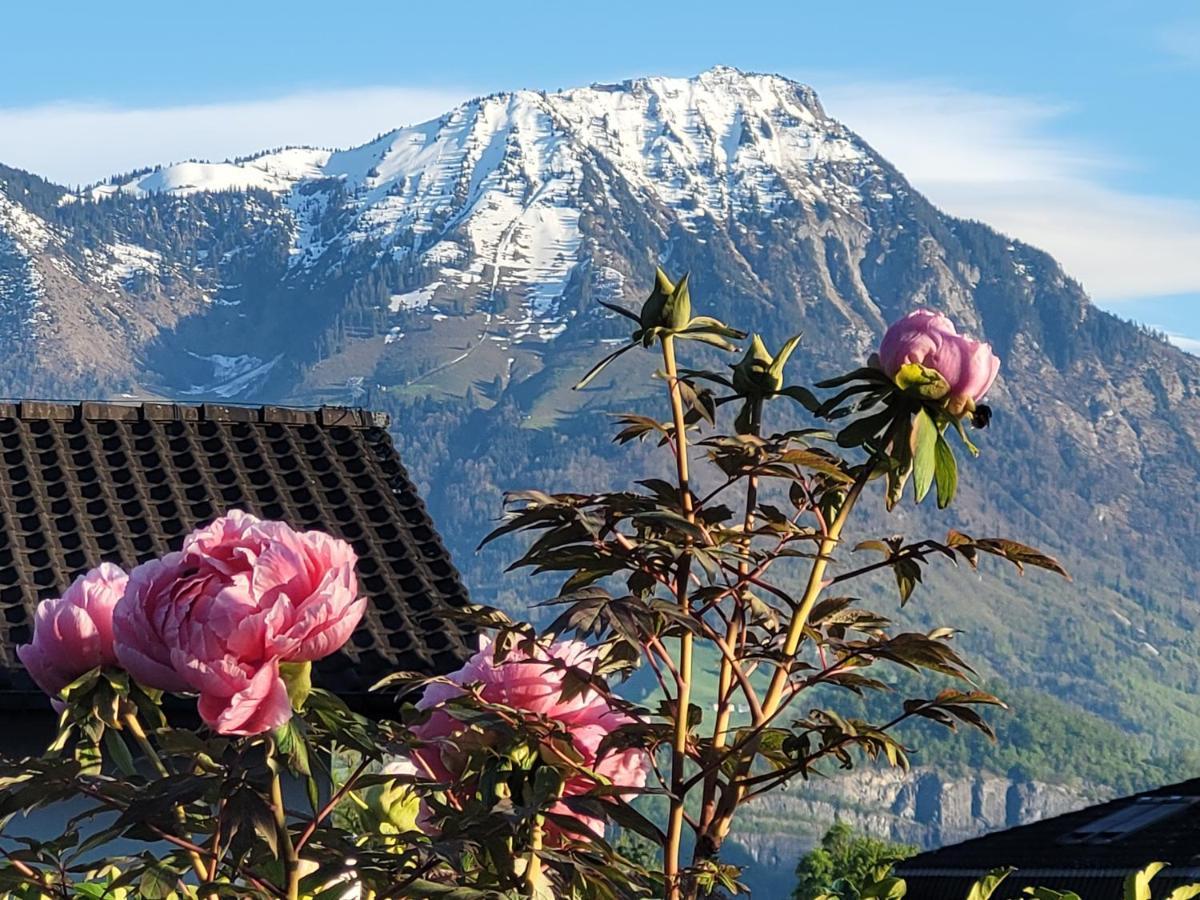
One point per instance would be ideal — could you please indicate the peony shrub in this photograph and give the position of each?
(514, 775)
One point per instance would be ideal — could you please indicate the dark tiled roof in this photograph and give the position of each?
(1065, 853)
(81, 484)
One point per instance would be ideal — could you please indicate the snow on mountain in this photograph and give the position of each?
(22, 236)
(275, 172)
(488, 198)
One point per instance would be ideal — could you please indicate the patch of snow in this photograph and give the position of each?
(413, 300)
(232, 375)
(124, 261)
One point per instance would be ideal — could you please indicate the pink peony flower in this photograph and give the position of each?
(929, 339)
(73, 634)
(219, 616)
(534, 684)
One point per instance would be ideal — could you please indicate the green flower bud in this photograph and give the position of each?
(392, 807)
(759, 374)
(752, 375)
(669, 305)
(652, 310)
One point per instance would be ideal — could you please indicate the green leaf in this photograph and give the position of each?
(1137, 885)
(801, 395)
(889, 888)
(986, 886)
(297, 678)
(599, 367)
(618, 309)
(157, 883)
(864, 373)
(945, 472)
(118, 752)
(925, 437)
(707, 337)
(742, 424)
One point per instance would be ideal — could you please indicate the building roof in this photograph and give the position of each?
(81, 484)
(1089, 851)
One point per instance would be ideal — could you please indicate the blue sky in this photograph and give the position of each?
(1072, 125)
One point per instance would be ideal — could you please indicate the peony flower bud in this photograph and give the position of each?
(926, 342)
(393, 807)
(752, 375)
(668, 306)
(73, 634)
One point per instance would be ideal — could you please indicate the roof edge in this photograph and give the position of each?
(165, 411)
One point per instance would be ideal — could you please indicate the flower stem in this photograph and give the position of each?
(291, 860)
(706, 846)
(675, 820)
(779, 681)
(533, 869)
(130, 720)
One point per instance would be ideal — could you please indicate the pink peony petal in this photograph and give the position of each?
(260, 704)
(73, 633)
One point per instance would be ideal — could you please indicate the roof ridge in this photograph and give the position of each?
(160, 411)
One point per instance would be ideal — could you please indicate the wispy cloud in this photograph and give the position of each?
(999, 159)
(1191, 345)
(1180, 41)
(73, 143)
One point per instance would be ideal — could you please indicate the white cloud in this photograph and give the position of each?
(73, 143)
(1191, 345)
(995, 159)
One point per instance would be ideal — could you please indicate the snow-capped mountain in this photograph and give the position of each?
(448, 272)
(488, 207)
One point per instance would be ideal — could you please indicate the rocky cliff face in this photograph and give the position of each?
(924, 807)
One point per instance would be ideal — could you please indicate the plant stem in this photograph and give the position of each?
(705, 846)
(337, 798)
(675, 820)
(812, 590)
(533, 869)
(291, 860)
(131, 722)
(733, 632)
